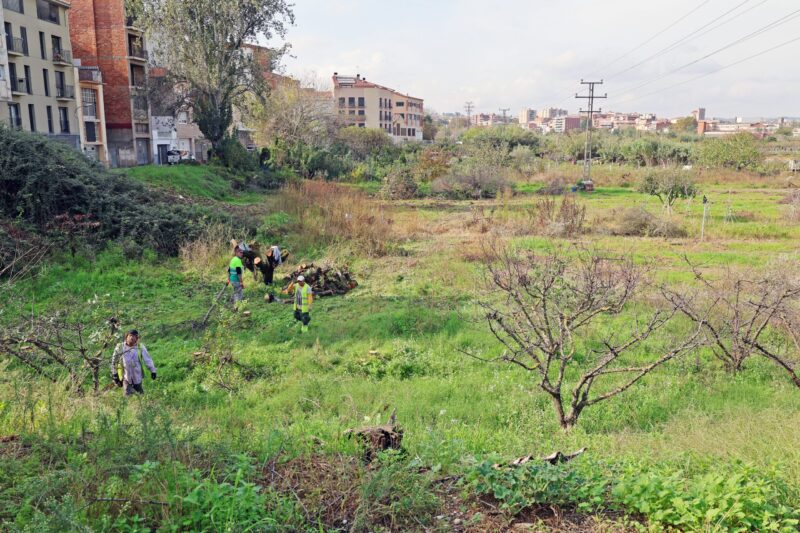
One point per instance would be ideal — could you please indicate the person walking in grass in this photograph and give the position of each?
(236, 275)
(303, 298)
(128, 362)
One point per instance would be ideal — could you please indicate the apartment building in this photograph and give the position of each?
(91, 114)
(38, 78)
(565, 124)
(5, 88)
(527, 119)
(369, 105)
(103, 36)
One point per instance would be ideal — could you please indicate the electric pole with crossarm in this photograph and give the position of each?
(587, 150)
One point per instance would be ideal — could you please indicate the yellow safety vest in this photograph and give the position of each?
(304, 293)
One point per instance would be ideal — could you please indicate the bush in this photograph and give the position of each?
(325, 213)
(559, 219)
(45, 184)
(236, 156)
(399, 185)
(470, 186)
(363, 142)
(637, 221)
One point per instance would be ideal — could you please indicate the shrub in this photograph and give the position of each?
(559, 219)
(637, 221)
(363, 142)
(43, 181)
(325, 213)
(399, 185)
(472, 186)
(738, 152)
(236, 156)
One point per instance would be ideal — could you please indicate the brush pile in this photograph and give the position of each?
(325, 280)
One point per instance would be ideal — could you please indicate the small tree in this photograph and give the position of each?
(539, 307)
(668, 186)
(686, 125)
(740, 312)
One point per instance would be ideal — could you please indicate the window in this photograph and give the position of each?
(89, 99)
(28, 88)
(50, 119)
(351, 112)
(341, 101)
(361, 112)
(60, 84)
(91, 131)
(14, 5)
(183, 117)
(47, 11)
(400, 104)
(362, 125)
(56, 43)
(32, 117)
(360, 101)
(14, 116)
(42, 46)
(351, 101)
(12, 74)
(23, 34)
(2, 72)
(63, 116)
(142, 127)
(46, 77)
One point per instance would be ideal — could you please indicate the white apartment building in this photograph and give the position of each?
(369, 105)
(38, 78)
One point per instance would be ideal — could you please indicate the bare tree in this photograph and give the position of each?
(296, 112)
(739, 312)
(539, 307)
(54, 346)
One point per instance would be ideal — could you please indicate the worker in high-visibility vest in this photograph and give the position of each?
(303, 298)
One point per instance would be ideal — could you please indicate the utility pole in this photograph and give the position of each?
(504, 110)
(587, 150)
(468, 107)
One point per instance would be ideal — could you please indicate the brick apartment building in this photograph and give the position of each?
(103, 37)
(37, 78)
(369, 105)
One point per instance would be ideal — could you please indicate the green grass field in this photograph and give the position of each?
(395, 342)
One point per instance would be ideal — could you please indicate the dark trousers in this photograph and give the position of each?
(300, 316)
(133, 388)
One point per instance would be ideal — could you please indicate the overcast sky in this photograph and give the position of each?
(533, 53)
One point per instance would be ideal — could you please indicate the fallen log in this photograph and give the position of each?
(554, 458)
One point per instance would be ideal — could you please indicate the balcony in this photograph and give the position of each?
(13, 5)
(65, 92)
(62, 56)
(138, 53)
(90, 75)
(19, 86)
(16, 46)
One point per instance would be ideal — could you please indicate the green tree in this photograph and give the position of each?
(738, 151)
(363, 142)
(668, 186)
(686, 125)
(202, 44)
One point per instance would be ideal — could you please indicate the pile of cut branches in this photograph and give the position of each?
(325, 280)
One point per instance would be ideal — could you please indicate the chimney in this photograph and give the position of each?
(358, 76)
(335, 73)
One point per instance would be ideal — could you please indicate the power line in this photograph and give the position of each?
(772, 25)
(629, 52)
(468, 107)
(748, 58)
(587, 149)
(678, 42)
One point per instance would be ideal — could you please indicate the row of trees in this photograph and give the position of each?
(587, 326)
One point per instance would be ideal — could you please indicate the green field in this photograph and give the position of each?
(200, 436)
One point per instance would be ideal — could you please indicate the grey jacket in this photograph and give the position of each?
(131, 366)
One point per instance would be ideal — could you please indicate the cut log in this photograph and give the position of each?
(376, 439)
(554, 458)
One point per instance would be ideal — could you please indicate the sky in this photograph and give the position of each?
(520, 54)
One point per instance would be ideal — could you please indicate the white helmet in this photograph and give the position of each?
(301, 278)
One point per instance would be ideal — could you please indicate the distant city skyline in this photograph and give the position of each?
(521, 53)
